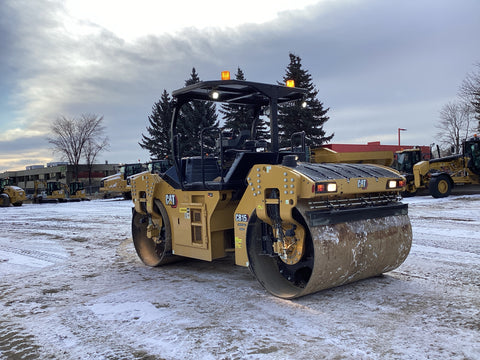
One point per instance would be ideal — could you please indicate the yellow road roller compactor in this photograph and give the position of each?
(300, 227)
(11, 194)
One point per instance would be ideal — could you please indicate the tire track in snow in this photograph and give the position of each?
(15, 343)
(36, 254)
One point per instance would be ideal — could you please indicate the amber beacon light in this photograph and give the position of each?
(225, 75)
(290, 83)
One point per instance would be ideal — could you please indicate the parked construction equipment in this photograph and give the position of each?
(76, 191)
(55, 191)
(325, 155)
(300, 227)
(47, 192)
(117, 183)
(404, 162)
(440, 175)
(159, 166)
(10, 194)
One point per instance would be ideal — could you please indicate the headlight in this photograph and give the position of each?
(396, 184)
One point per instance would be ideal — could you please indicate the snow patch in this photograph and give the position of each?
(139, 311)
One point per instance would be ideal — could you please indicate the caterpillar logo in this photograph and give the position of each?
(362, 184)
(171, 199)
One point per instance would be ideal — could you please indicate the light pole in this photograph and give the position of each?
(399, 129)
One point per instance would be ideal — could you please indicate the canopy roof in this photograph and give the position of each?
(238, 92)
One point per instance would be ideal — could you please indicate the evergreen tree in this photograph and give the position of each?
(238, 117)
(158, 143)
(294, 118)
(194, 117)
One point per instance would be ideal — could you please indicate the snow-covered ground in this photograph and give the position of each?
(72, 287)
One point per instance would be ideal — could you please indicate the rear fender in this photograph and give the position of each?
(263, 181)
(143, 188)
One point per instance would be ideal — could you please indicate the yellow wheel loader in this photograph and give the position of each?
(299, 227)
(440, 175)
(10, 194)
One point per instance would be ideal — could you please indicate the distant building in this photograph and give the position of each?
(62, 172)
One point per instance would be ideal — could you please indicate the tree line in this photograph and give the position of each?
(198, 115)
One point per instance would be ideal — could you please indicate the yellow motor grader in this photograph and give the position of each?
(440, 175)
(300, 227)
(10, 194)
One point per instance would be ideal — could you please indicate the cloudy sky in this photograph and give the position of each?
(378, 64)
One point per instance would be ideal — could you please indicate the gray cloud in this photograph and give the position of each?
(23, 144)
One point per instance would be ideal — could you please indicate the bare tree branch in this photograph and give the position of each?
(469, 92)
(454, 126)
(71, 138)
(92, 148)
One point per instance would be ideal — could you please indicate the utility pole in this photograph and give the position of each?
(399, 129)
